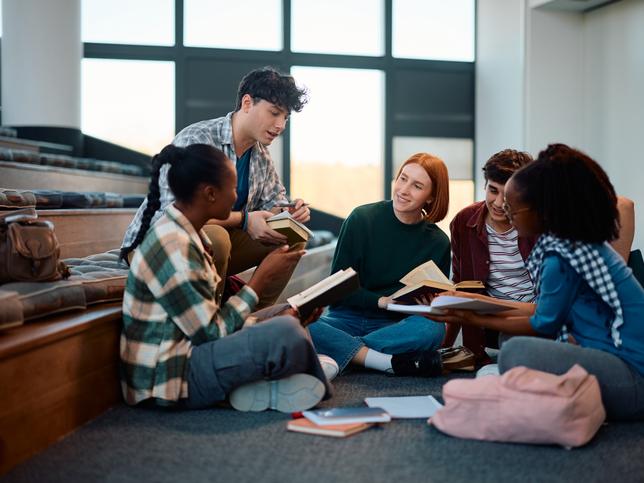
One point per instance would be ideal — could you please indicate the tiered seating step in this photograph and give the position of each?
(56, 375)
(32, 176)
(12, 142)
(85, 232)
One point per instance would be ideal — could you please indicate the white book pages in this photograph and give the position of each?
(426, 271)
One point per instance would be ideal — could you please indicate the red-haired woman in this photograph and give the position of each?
(383, 241)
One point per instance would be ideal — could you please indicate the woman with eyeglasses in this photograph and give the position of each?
(486, 247)
(585, 293)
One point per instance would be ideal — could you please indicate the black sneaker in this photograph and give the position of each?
(424, 364)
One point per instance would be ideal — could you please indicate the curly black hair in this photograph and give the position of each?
(571, 194)
(503, 164)
(269, 84)
(190, 167)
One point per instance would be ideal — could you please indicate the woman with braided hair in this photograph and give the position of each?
(178, 346)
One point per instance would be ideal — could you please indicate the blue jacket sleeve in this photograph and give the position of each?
(557, 294)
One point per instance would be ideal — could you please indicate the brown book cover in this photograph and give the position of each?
(295, 231)
(303, 425)
(328, 291)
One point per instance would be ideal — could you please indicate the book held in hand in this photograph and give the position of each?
(303, 425)
(285, 224)
(328, 291)
(326, 417)
(444, 302)
(427, 279)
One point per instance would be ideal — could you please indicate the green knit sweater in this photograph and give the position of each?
(382, 250)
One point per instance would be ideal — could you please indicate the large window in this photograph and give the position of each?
(375, 98)
(354, 27)
(337, 140)
(140, 22)
(434, 29)
(226, 24)
(129, 102)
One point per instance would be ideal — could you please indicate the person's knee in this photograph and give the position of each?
(430, 334)
(220, 241)
(287, 331)
(516, 351)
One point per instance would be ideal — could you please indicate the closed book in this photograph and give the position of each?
(332, 416)
(285, 224)
(303, 425)
(332, 289)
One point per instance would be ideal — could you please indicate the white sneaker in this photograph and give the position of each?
(488, 370)
(293, 393)
(329, 366)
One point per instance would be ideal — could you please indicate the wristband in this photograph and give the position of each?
(244, 224)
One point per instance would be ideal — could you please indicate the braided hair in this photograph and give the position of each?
(190, 167)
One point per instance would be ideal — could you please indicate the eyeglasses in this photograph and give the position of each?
(511, 214)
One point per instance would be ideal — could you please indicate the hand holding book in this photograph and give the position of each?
(427, 280)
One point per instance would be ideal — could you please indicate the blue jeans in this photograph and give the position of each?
(341, 333)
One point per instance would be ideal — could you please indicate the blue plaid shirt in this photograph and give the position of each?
(264, 186)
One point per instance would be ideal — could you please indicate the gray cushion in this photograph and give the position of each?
(39, 299)
(10, 310)
(16, 198)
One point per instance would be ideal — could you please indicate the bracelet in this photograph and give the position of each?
(244, 223)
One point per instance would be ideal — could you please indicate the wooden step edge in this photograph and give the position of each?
(74, 171)
(32, 335)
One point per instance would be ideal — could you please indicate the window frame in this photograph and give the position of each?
(285, 59)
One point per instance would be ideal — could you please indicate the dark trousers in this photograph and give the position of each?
(621, 385)
(273, 349)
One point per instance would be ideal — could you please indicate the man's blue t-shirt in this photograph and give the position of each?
(243, 168)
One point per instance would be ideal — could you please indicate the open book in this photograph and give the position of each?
(427, 279)
(328, 291)
(444, 302)
(285, 224)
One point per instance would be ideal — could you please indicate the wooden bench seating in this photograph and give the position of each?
(56, 375)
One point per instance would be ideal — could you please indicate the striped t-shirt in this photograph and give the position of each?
(508, 278)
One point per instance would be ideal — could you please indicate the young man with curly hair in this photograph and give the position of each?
(265, 100)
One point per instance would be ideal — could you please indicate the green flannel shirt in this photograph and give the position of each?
(169, 307)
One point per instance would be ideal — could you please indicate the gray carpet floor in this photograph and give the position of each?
(222, 445)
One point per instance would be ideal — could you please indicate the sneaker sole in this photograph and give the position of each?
(294, 393)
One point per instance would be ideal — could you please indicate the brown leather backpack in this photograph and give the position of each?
(29, 249)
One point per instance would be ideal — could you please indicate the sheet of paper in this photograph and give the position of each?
(407, 407)
(415, 309)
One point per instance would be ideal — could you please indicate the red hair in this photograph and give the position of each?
(436, 209)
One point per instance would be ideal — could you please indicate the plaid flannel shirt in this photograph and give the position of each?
(169, 307)
(264, 186)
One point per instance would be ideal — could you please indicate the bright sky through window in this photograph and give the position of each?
(129, 102)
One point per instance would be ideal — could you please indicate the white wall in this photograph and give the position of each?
(550, 76)
(41, 62)
(614, 101)
(554, 79)
(499, 80)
